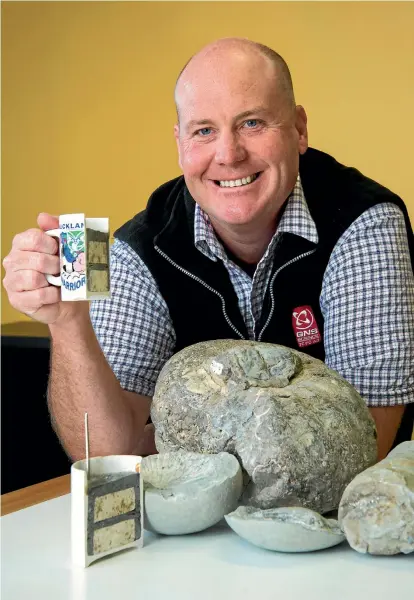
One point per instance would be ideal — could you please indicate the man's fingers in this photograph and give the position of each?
(46, 221)
(35, 240)
(22, 281)
(29, 302)
(20, 260)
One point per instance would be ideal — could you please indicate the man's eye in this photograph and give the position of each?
(251, 123)
(204, 131)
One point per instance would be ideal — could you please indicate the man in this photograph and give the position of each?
(262, 239)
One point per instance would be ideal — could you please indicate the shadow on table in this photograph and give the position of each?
(250, 555)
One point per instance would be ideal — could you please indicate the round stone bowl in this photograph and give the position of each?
(290, 529)
(186, 492)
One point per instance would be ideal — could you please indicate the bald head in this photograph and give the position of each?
(235, 55)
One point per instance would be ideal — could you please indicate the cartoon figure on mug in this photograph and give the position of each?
(73, 253)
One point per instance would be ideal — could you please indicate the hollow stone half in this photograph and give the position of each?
(291, 529)
(300, 431)
(187, 492)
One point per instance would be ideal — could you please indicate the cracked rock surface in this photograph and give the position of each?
(377, 509)
(299, 430)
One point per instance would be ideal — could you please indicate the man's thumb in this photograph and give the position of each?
(46, 221)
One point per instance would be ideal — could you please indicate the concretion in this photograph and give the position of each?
(300, 431)
(377, 508)
(290, 529)
(186, 492)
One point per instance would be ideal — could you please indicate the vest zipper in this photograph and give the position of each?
(223, 304)
(293, 260)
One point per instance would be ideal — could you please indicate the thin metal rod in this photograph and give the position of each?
(87, 444)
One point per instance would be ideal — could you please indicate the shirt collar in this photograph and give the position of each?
(296, 219)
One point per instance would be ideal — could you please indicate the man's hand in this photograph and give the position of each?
(387, 419)
(146, 444)
(34, 254)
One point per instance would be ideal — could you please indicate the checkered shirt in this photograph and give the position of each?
(367, 301)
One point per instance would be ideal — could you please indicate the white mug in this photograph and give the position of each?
(84, 257)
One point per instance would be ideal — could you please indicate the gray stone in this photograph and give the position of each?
(186, 492)
(300, 431)
(291, 529)
(377, 508)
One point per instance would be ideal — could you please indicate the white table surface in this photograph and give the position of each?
(213, 565)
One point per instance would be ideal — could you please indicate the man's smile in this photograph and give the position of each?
(240, 182)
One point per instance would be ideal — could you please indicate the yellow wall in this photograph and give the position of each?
(87, 110)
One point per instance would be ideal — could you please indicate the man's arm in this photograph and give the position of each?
(110, 360)
(97, 364)
(82, 381)
(387, 419)
(368, 305)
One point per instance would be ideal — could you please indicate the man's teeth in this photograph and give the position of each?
(238, 182)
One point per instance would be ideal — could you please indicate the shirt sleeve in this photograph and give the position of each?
(133, 327)
(367, 301)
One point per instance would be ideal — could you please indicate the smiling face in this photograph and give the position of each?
(238, 137)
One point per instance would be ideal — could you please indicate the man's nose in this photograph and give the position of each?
(229, 149)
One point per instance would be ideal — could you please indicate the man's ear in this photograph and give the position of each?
(302, 129)
(177, 141)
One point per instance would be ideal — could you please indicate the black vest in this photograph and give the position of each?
(201, 300)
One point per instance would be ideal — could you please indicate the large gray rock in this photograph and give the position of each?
(377, 509)
(290, 529)
(300, 431)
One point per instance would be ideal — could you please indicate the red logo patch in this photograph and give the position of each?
(305, 326)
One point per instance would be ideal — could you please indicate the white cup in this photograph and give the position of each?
(84, 257)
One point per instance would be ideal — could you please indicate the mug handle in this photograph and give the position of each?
(53, 279)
